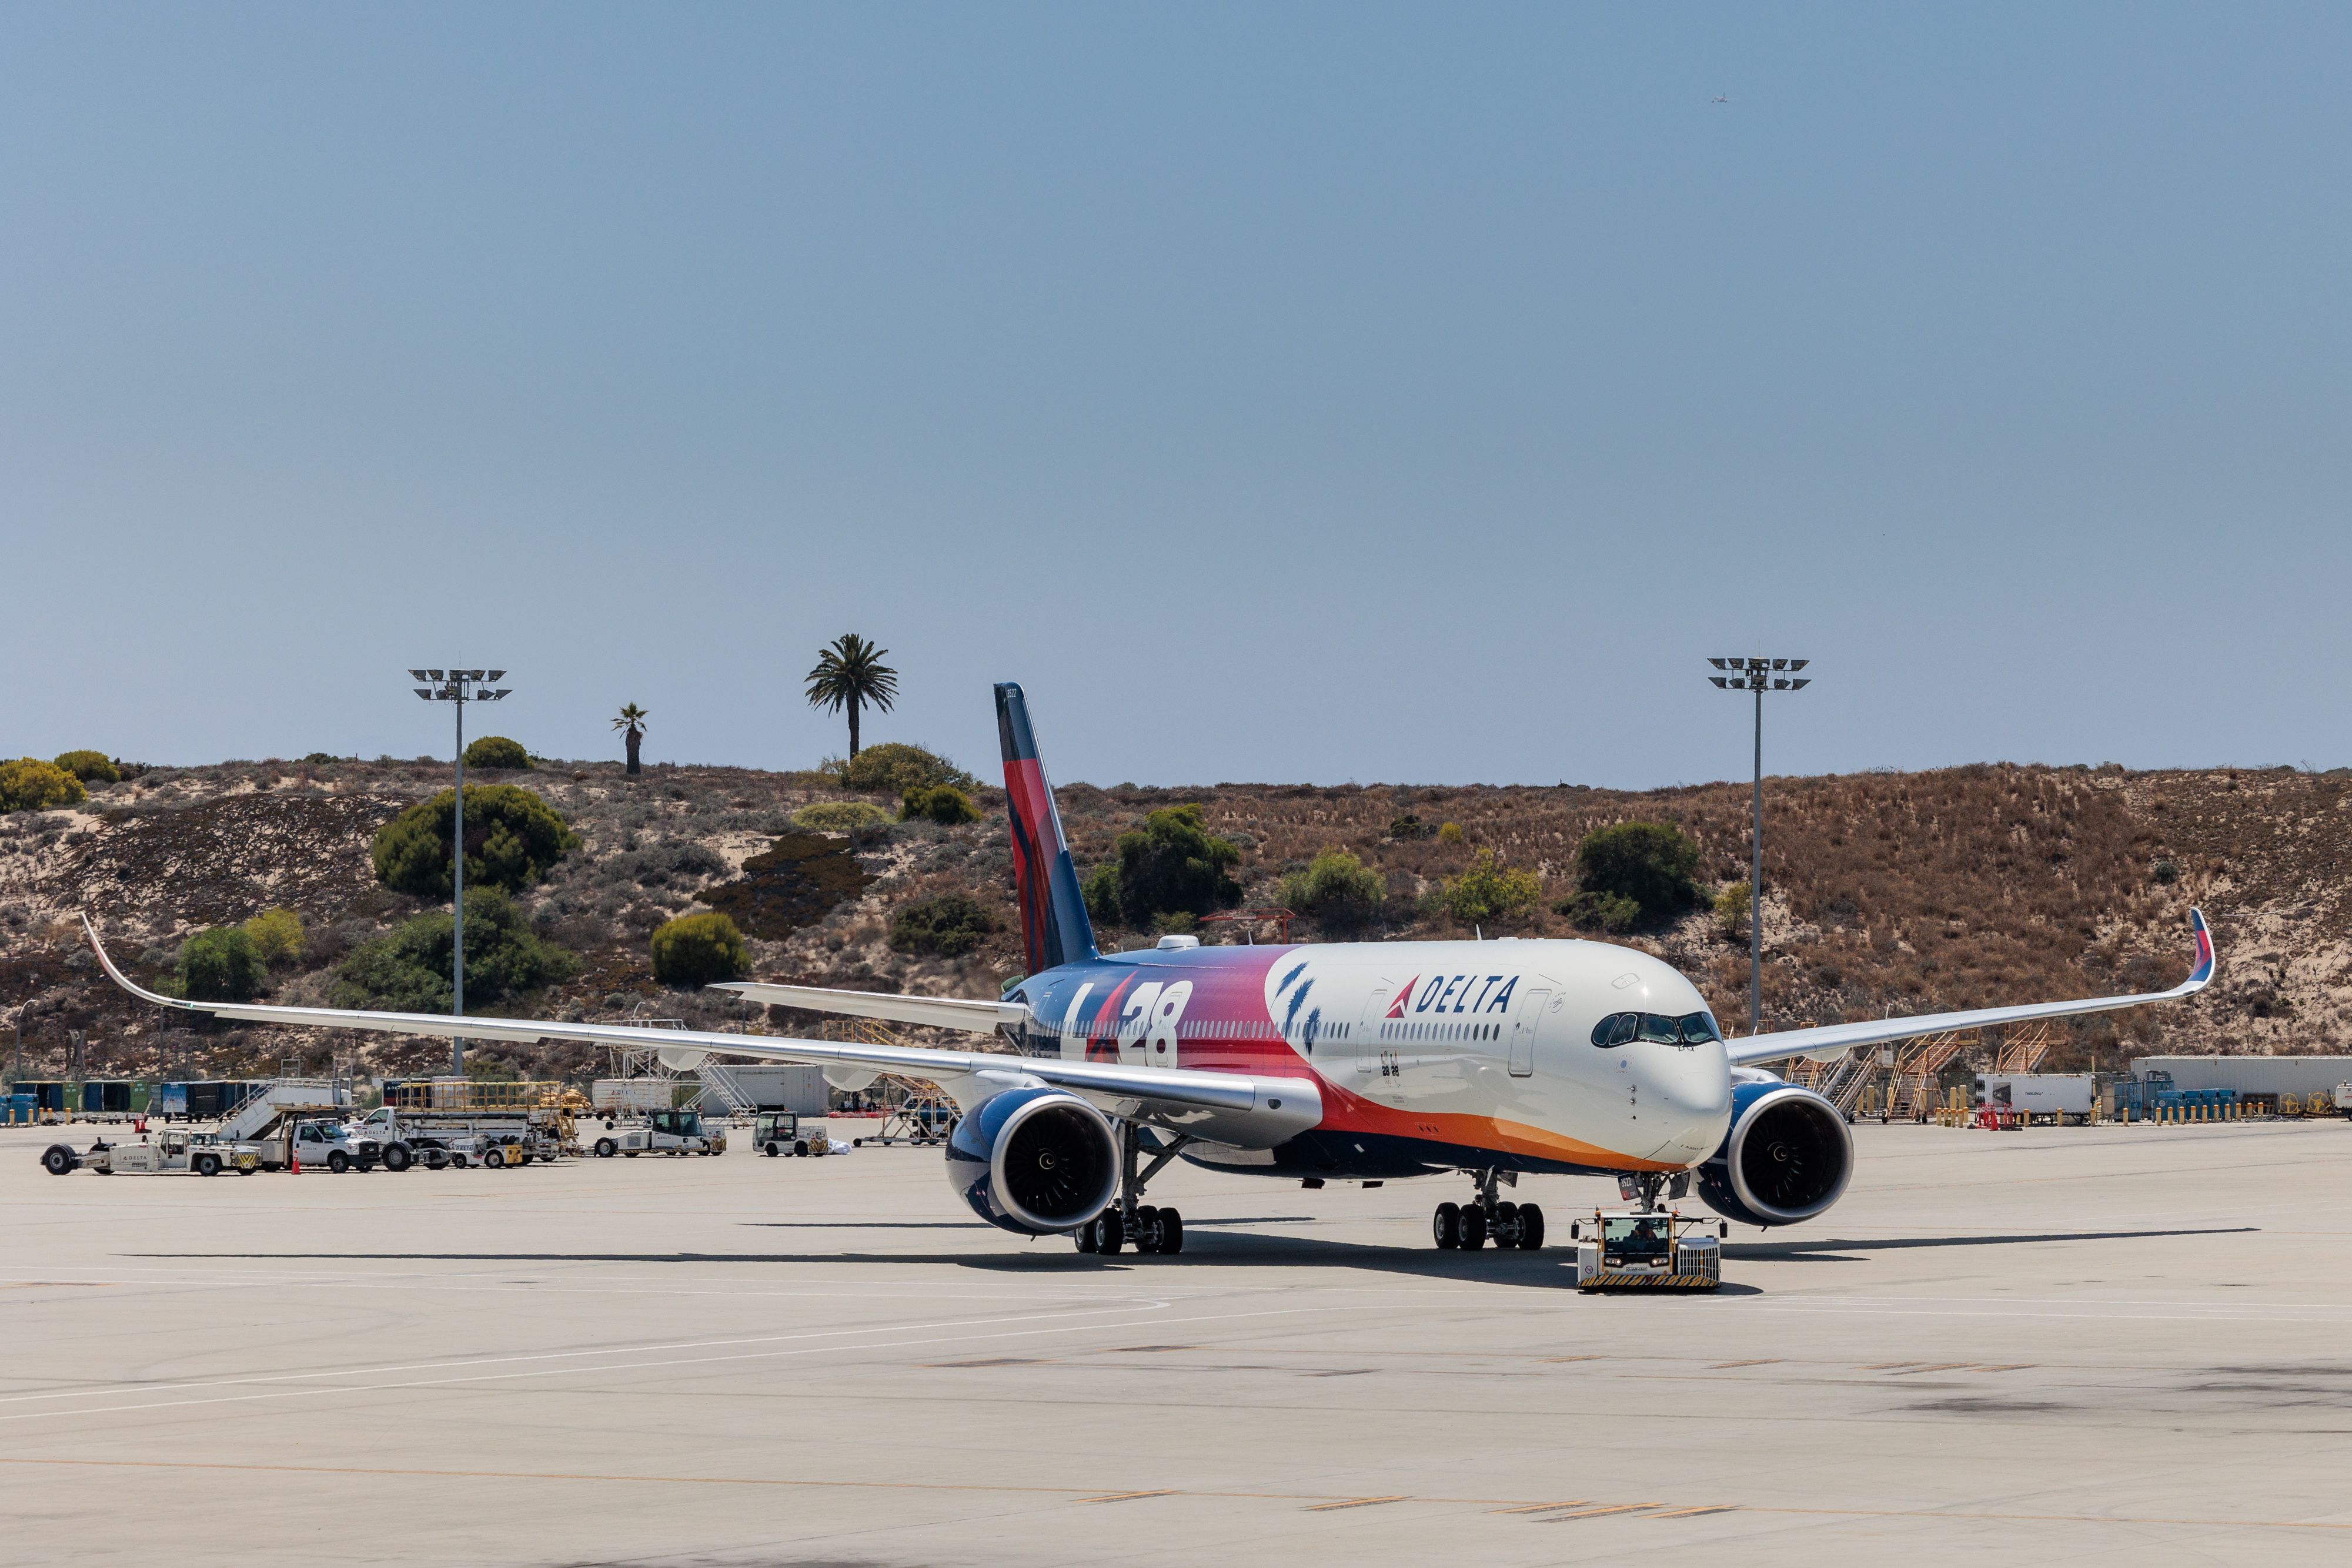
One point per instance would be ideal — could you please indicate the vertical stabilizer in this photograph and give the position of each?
(1054, 925)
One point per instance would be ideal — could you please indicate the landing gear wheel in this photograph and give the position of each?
(1110, 1232)
(1147, 1229)
(338, 1161)
(1507, 1224)
(1530, 1227)
(1171, 1232)
(1446, 1226)
(606, 1148)
(1084, 1237)
(208, 1164)
(1473, 1228)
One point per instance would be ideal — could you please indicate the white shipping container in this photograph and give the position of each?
(2036, 1094)
(2301, 1076)
(633, 1093)
(776, 1086)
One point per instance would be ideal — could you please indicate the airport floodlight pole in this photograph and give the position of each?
(458, 687)
(1758, 675)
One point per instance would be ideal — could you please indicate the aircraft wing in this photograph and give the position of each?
(1836, 1039)
(939, 1012)
(1247, 1110)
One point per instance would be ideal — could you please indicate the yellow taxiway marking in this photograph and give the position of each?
(1605, 1509)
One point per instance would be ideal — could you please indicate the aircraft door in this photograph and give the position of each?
(1525, 1025)
(1367, 1031)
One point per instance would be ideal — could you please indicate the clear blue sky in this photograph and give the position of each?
(1280, 391)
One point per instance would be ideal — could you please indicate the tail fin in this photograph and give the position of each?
(1053, 924)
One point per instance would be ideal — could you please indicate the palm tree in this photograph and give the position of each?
(632, 726)
(850, 675)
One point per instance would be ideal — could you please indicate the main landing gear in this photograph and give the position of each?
(1130, 1222)
(1470, 1225)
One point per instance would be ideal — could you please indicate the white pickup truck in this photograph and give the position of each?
(661, 1133)
(173, 1152)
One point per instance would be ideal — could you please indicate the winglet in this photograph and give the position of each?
(119, 978)
(2203, 973)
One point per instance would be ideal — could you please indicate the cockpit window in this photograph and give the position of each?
(1622, 1028)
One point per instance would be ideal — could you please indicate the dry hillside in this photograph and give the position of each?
(1902, 892)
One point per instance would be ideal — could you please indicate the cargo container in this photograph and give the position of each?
(16, 1110)
(171, 1101)
(637, 1095)
(773, 1086)
(2064, 1097)
(48, 1095)
(106, 1097)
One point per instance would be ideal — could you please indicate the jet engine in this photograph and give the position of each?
(1034, 1161)
(1787, 1158)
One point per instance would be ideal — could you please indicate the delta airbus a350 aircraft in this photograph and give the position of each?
(1314, 1062)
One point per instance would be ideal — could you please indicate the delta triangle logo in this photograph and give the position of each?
(1404, 994)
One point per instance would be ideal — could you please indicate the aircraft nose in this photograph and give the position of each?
(1689, 1089)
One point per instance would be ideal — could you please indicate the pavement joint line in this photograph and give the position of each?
(1545, 1507)
(1082, 1494)
(1699, 1513)
(1759, 1361)
(296, 1393)
(1129, 1495)
(1356, 1502)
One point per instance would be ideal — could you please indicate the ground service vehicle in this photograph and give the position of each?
(173, 1152)
(1316, 1062)
(662, 1133)
(1648, 1249)
(779, 1132)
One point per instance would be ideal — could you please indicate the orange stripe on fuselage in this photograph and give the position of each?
(1345, 1110)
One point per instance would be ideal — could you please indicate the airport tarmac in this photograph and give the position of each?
(2081, 1345)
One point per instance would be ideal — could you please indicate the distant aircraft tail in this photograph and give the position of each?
(1054, 925)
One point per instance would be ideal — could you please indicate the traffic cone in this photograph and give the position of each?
(296, 1168)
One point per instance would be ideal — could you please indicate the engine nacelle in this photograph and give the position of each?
(1787, 1158)
(1034, 1161)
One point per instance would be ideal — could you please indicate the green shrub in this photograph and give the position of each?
(1175, 923)
(946, 926)
(513, 836)
(408, 970)
(1600, 911)
(277, 934)
(1490, 892)
(1172, 864)
(1449, 835)
(941, 803)
(29, 784)
(1100, 890)
(1648, 862)
(316, 757)
(1336, 888)
(699, 950)
(497, 751)
(1407, 828)
(1732, 907)
(2167, 873)
(90, 767)
(893, 767)
(841, 817)
(222, 964)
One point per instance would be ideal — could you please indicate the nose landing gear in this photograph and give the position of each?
(1466, 1226)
